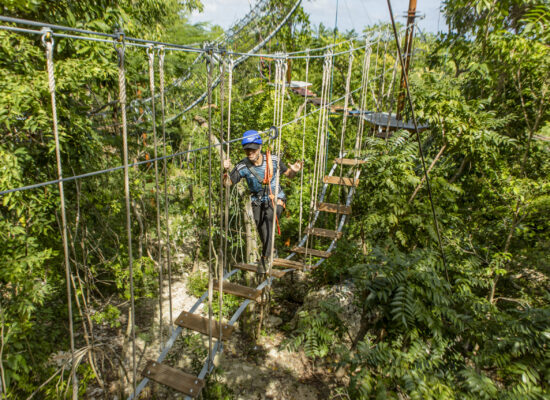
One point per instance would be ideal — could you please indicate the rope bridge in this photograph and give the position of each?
(331, 193)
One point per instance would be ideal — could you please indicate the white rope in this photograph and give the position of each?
(342, 135)
(120, 48)
(363, 100)
(320, 142)
(151, 57)
(303, 150)
(165, 174)
(346, 103)
(280, 86)
(48, 42)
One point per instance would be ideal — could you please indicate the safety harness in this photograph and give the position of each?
(265, 181)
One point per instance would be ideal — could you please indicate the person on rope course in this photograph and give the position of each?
(260, 171)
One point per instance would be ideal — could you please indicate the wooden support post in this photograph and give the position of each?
(407, 50)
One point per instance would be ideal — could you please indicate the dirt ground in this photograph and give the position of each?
(247, 369)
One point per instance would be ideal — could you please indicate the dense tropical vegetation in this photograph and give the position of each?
(471, 323)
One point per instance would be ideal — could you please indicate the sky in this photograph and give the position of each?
(352, 14)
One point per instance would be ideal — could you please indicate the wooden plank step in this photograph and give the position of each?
(174, 378)
(334, 208)
(254, 268)
(239, 290)
(349, 161)
(328, 233)
(200, 324)
(312, 252)
(336, 180)
(281, 262)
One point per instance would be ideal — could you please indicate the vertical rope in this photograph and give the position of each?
(151, 56)
(227, 151)
(383, 80)
(210, 68)
(120, 48)
(342, 135)
(390, 97)
(223, 228)
(319, 147)
(48, 42)
(165, 173)
(363, 100)
(303, 147)
(280, 84)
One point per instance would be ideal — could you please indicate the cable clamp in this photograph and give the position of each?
(47, 35)
(118, 39)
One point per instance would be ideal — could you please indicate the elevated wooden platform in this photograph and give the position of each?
(328, 233)
(312, 252)
(349, 161)
(200, 324)
(174, 378)
(254, 268)
(239, 290)
(334, 208)
(336, 180)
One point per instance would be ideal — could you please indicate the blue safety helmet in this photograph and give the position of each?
(251, 140)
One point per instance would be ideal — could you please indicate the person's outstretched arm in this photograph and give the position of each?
(293, 169)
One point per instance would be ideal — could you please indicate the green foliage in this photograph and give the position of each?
(317, 330)
(474, 328)
(110, 315)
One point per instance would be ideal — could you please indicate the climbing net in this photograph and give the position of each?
(215, 64)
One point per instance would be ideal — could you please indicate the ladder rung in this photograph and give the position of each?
(349, 161)
(239, 290)
(334, 208)
(254, 268)
(200, 324)
(336, 180)
(174, 378)
(281, 262)
(312, 252)
(328, 233)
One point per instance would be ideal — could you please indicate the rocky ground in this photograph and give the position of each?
(247, 369)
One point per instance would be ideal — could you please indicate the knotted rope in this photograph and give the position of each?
(151, 57)
(48, 42)
(120, 49)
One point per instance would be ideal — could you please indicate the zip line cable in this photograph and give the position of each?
(409, 100)
(145, 43)
(48, 42)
